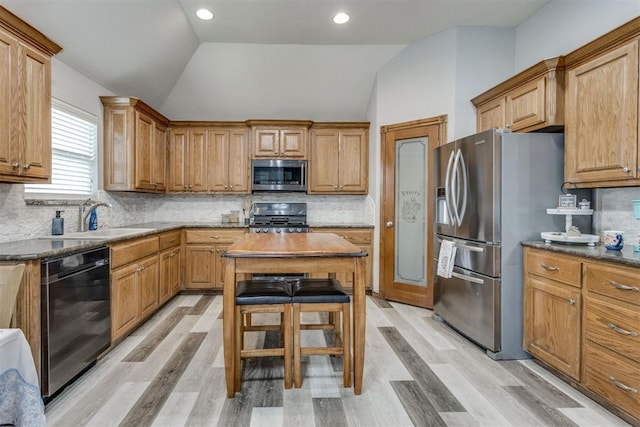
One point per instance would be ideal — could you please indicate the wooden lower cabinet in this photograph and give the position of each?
(169, 283)
(552, 330)
(363, 239)
(134, 283)
(582, 318)
(203, 256)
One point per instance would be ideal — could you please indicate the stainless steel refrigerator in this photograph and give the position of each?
(492, 191)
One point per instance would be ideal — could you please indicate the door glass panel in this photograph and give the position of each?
(411, 212)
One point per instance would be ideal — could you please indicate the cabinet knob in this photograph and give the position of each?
(191, 186)
(335, 187)
(572, 301)
(15, 165)
(389, 224)
(185, 186)
(213, 249)
(625, 169)
(26, 166)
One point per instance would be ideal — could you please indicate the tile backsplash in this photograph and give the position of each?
(614, 211)
(19, 221)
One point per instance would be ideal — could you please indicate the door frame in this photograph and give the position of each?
(386, 188)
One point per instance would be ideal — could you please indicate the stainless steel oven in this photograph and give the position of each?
(279, 218)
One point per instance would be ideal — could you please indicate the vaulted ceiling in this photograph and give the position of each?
(256, 58)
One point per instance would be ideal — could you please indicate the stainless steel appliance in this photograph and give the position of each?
(279, 218)
(492, 191)
(278, 175)
(76, 316)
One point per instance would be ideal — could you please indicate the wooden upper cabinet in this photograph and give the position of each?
(135, 146)
(25, 101)
(601, 142)
(209, 157)
(339, 158)
(532, 100)
(279, 138)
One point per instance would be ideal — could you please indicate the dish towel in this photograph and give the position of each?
(446, 258)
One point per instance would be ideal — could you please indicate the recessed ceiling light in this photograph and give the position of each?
(341, 18)
(204, 14)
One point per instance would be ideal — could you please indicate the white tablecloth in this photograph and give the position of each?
(20, 401)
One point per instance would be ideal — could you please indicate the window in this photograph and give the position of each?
(73, 159)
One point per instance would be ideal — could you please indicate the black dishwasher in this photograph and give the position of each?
(76, 315)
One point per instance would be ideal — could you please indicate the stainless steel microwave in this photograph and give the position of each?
(278, 175)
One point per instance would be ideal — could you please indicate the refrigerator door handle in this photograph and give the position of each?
(468, 278)
(463, 246)
(464, 185)
(455, 187)
(447, 190)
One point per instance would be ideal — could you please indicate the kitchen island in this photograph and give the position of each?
(294, 253)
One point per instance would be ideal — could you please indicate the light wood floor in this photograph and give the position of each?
(417, 372)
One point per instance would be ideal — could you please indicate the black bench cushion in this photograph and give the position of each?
(254, 292)
(318, 291)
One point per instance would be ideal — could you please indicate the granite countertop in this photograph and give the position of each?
(626, 256)
(49, 246)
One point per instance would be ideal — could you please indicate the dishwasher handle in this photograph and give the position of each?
(80, 270)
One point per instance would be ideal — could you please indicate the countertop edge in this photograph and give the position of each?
(624, 257)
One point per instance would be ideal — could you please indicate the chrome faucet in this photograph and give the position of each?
(84, 216)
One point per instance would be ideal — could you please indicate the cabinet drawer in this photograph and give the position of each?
(614, 327)
(131, 251)
(213, 236)
(554, 266)
(170, 239)
(613, 377)
(614, 281)
(355, 236)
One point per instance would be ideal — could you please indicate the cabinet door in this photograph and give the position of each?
(178, 152)
(36, 113)
(491, 115)
(353, 159)
(197, 160)
(525, 106)
(266, 143)
(200, 267)
(293, 143)
(159, 170)
(238, 161)
(148, 286)
(9, 155)
(218, 161)
(124, 300)
(323, 161)
(601, 124)
(552, 324)
(144, 151)
(169, 275)
(219, 266)
(176, 264)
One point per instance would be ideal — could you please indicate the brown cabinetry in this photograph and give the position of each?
(612, 334)
(135, 146)
(362, 238)
(279, 138)
(529, 101)
(209, 157)
(602, 353)
(601, 142)
(228, 160)
(134, 283)
(170, 266)
(552, 310)
(25, 101)
(203, 256)
(339, 158)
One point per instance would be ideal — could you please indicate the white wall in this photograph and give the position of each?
(561, 26)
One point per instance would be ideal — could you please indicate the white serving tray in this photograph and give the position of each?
(561, 236)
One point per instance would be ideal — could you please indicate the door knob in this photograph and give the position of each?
(389, 224)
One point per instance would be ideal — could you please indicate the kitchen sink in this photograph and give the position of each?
(102, 234)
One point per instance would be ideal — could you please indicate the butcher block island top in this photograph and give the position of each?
(293, 245)
(313, 253)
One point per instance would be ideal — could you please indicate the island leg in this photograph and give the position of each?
(228, 308)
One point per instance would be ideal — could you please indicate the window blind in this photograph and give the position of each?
(73, 159)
